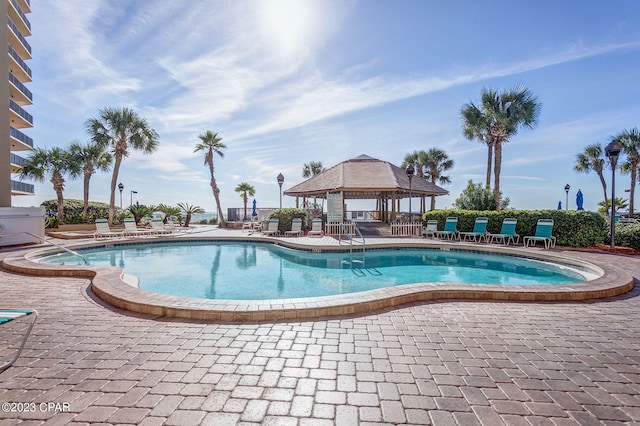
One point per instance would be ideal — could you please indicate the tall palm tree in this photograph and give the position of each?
(211, 144)
(418, 159)
(92, 158)
(476, 126)
(504, 114)
(312, 168)
(245, 189)
(591, 159)
(121, 129)
(436, 163)
(630, 140)
(54, 163)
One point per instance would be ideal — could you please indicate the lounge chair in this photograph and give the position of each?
(8, 315)
(544, 231)
(131, 229)
(296, 228)
(103, 230)
(450, 230)
(273, 227)
(479, 230)
(431, 229)
(316, 228)
(157, 227)
(507, 232)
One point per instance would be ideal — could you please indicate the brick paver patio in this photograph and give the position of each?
(451, 362)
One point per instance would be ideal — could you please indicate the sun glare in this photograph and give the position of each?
(288, 24)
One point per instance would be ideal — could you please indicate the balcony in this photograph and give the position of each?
(19, 141)
(25, 5)
(19, 18)
(18, 117)
(17, 40)
(17, 163)
(18, 67)
(21, 188)
(19, 92)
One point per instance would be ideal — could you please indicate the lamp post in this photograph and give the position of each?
(280, 179)
(410, 170)
(612, 151)
(567, 187)
(132, 192)
(120, 187)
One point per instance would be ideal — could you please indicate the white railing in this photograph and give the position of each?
(339, 228)
(406, 229)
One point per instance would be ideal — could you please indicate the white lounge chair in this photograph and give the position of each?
(431, 229)
(316, 228)
(103, 230)
(157, 227)
(131, 229)
(296, 228)
(8, 315)
(273, 228)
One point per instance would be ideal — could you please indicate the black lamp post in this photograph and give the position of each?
(120, 187)
(132, 192)
(410, 171)
(280, 182)
(613, 151)
(567, 187)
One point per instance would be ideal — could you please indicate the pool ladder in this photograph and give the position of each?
(360, 270)
(44, 240)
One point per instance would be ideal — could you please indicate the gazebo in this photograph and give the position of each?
(367, 178)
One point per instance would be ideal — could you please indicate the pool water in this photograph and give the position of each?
(258, 271)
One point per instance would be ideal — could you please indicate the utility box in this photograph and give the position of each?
(21, 225)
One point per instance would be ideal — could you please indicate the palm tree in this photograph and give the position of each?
(621, 204)
(54, 163)
(120, 130)
(418, 159)
(168, 211)
(436, 163)
(503, 115)
(212, 144)
(630, 140)
(189, 211)
(312, 168)
(591, 159)
(245, 189)
(92, 157)
(475, 126)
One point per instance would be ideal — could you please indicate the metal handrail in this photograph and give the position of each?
(355, 226)
(47, 241)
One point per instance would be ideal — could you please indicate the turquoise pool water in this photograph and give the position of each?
(257, 271)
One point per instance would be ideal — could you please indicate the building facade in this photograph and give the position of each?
(14, 118)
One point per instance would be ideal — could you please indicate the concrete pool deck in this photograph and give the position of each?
(448, 362)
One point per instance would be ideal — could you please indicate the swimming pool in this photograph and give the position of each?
(259, 271)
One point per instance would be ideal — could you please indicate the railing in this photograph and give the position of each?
(75, 253)
(13, 79)
(13, 106)
(21, 13)
(22, 187)
(19, 60)
(17, 160)
(338, 228)
(406, 229)
(18, 34)
(17, 134)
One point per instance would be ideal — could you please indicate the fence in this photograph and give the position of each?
(406, 229)
(336, 228)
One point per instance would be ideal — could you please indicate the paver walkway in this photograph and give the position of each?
(451, 362)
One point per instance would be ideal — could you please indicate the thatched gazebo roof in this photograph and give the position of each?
(364, 177)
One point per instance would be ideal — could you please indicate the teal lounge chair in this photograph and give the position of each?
(450, 230)
(479, 230)
(507, 233)
(8, 315)
(544, 231)
(431, 229)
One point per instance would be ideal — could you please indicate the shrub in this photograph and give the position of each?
(571, 228)
(285, 217)
(73, 211)
(627, 235)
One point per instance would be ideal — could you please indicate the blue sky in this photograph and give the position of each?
(287, 82)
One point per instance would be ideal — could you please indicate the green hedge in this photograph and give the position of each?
(570, 227)
(285, 217)
(627, 235)
(73, 211)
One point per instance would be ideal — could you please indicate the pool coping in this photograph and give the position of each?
(108, 284)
